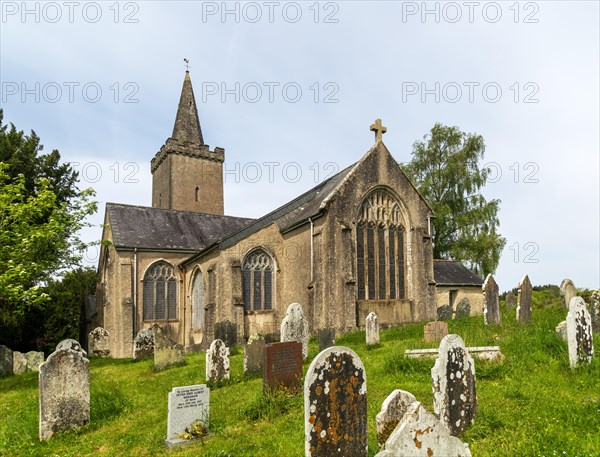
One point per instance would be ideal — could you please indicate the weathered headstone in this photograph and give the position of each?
(393, 409)
(444, 313)
(463, 309)
(453, 384)
(64, 392)
(98, 342)
(226, 331)
(72, 344)
(491, 307)
(567, 292)
(579, 333)
(335, 405)
(34, 360)
(524, 301)
(253, 354)
(143, 344)
(19, 362)
(326, 338)
(186, 405)
(294, 327)
(372, 329)
(595, 310)
(166, 351)
(511, 300)
(435, 331)
(217, 361)
(561, 330)
(421, 434)
(6, 361)
(282, 366)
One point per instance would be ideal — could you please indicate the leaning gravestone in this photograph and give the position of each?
(511, 300)
(64, 392)
(567, 292)
(186, 405)
(143, 344)
(98, 342)
(34, 360)
(326, 338)
(294, 327)
(282, 366)
(444, 313)
(253, 354)
(6, 361)
(19, 362)
(463, 309)
(595, 310)
(491, 307)
(372, 329)
(166, 351)
(579, 333)
(453, 384)
(217, 361)
(435, 331)
(226, 331)
(393, 409)
(420, 434)
(335, 405)
(524, 301)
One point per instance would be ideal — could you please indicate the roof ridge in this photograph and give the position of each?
(175, 210)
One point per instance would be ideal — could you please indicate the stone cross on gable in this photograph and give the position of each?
(379, 130)
(187, 64)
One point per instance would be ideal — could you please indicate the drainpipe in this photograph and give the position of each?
(429, 225)
(135, 286)
(312, 249)
(183, 297)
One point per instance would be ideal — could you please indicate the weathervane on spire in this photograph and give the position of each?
(379, 130)
(187, 64)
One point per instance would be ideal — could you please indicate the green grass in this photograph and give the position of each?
(531, 404)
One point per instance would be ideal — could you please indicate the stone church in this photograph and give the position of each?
(358, 242)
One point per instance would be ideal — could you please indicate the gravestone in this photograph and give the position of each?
(453, 385)
(294, 327)
(253, 354)
(166, 351)
(282, 366)
(595, 310)
(64, 392)
(393, 409)
(72, 344)
(561, 330)
(34, 360)
(217, 361)
(511, 300)
(19, 362)
(420, 434)
(579, 333)
(567, 292)
(444, 313)
(335, 405)
(491, 307)
(435, 331)
(6, 361)
(186, 405)
(463, 309)
(226, 331)
(98, 342)
(326, 338)
(143, 344)
(372, 329)
(524, 301)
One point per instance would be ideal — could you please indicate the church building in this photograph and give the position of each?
(357, 242)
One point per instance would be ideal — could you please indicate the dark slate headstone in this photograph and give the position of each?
(326, 338)
(444, 313)
(226, 331)
(335, 405)
(6, 361)
(282, 366)
(524, 301)
(511, 300)
(491, 310)
(463, 309)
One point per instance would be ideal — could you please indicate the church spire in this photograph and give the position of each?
(187, 124)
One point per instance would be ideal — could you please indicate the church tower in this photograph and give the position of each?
(186, 174)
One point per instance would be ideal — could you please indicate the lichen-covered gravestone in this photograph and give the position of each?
(453, 384)
(166, 351)
(187, 405)
(294, 327)
(143, 344)
(435, 331)
(579, 333)
(463, 309)
(70, 343)
(6, 361)
(326, 338)
(595, 310)
(253, 354)
(491, 307)
(372, 329)
(561, 330)
(567, 292)
(444, 313)
(98, 342)
(217, 362)
(226, 331)
(19, 362)
(511, 300)
(393, 409)
(335, 405)
(64, 392)
(34, 360)
(524, 301)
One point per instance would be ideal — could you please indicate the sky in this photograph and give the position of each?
(289, 89)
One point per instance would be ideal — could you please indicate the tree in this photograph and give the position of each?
(445, 168)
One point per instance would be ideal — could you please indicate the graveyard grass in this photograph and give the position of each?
(532, 404)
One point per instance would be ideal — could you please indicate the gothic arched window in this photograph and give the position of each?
(198, 301)
(160, 292)
(257, 270)
(380, 248)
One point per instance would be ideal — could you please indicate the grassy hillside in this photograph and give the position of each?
(532, 404)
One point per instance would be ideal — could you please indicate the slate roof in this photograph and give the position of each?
(454, 273)
(162, 229)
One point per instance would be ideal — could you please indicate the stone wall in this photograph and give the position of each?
(473, 293)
